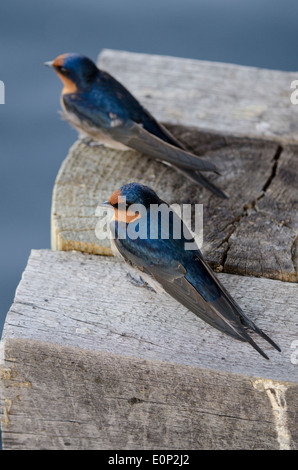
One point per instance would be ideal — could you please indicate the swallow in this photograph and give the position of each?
(96, 104)
(163, 261)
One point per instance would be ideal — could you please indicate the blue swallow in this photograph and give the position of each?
(163, 261)
(98, 105)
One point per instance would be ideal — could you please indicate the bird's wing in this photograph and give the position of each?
(220, 310)
(150, 138)
(197, 177)
(242, 317)
(154, 127)
(135, 136)
(138, 138)
(86, 112)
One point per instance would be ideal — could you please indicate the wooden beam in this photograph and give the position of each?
(89, 359)
(211, 96)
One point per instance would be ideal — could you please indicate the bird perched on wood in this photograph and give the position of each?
(98, 105)
(161, 258)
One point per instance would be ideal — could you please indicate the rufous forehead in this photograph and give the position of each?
(115, 196)
(59, 61)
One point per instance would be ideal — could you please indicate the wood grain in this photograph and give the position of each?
(90, 360)
(60, 398)
(91, 302)
(215, 97)
(239, 234)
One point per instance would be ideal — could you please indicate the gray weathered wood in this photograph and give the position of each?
(269, 227)
(211, 96)
(59, 397)
(90, 360)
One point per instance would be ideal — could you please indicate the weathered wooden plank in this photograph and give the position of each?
(90, 360)
(87, 301)
(211, 96)
(59, 397)
(240, 236)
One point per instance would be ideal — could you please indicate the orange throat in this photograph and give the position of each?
(126, 216)
(69, 85)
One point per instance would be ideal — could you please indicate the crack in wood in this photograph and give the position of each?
(274, 169)
(294, 255)
(250, 206)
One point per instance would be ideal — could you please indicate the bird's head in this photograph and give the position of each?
(76, 71)
(125, 201)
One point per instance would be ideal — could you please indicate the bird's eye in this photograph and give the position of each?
(63, 69)
(122, 205)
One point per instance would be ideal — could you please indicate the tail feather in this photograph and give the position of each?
(257, 348)
(197, 177)
(235, 316)
(261, 333)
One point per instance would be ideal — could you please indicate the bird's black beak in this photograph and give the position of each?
(49, 63)
(105, 204)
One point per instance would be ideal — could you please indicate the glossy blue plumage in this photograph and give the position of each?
(153, 249)
(99, 102)
(182, 273)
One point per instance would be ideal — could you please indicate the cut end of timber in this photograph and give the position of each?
(253, 233)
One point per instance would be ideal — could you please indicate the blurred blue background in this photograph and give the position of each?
(33, 139)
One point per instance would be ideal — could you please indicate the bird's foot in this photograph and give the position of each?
(139, 282)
